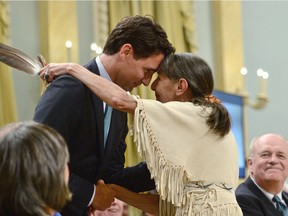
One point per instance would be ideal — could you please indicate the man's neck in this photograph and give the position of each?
(110, 64)
(273, 187)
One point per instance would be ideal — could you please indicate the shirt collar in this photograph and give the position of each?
(103, 72)
(267, 194)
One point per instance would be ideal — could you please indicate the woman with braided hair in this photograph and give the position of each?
(184, 136)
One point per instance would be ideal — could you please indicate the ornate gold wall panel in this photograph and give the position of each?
(228, 49)
(7, 95)
(58, 23)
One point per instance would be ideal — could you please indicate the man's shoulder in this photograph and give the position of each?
(66, 82)
(92, 66)
(249, 192)
(242, 188)
(245, 188)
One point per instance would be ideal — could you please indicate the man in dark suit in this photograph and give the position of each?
(268, 167)
(132, 53)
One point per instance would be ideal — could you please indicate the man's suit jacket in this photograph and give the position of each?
(253, 201)
(77, 114)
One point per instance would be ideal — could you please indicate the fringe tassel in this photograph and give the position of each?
(170, 180)
(231, 209)
(223, 210)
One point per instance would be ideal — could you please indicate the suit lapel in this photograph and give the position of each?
(118, 118)
(98, 108)
(285, 197)
(265, 201)
(113, 129)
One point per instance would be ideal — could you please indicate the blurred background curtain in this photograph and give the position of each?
(7, 96)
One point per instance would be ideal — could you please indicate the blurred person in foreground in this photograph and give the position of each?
(33, 170)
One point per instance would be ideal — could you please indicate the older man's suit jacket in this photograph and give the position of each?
(253, 201)
(77, 114)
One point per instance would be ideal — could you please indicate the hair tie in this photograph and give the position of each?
(212, 99)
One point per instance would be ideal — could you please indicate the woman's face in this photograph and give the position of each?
(165, 88)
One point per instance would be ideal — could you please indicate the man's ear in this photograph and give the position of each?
(182, 86)
(249, 165)
(126, 50)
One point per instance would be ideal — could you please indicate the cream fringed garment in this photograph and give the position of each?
(194, 169)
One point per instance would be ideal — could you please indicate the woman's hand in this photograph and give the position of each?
(53, 70)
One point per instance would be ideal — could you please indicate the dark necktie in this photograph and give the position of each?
(281, 207)
(107, 120)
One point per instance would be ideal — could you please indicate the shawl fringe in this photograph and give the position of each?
(179, 195)
(224, 210)
(231, 209)
(168, 178)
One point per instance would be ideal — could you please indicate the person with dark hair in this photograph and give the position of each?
(185, 137)
(262, 192)
(132, 53)
(33, 171)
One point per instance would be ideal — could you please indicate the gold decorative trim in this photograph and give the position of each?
(4, 23)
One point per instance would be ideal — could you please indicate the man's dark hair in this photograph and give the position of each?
(143, 33)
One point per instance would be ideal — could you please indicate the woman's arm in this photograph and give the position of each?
(146, 202)
(109, 92)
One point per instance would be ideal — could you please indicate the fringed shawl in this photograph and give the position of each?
(179, 149)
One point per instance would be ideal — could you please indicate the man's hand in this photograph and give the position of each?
(104, 196)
